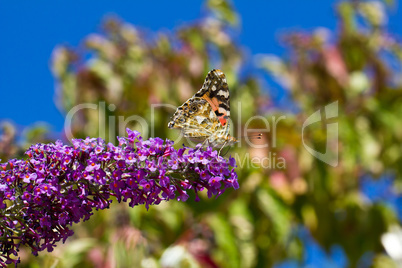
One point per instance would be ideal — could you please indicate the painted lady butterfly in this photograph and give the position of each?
(206, 115)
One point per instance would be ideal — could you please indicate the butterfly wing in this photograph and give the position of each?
(215, 90)
(196, 118)
(207, 113)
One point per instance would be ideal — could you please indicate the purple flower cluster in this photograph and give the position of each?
(59, 185)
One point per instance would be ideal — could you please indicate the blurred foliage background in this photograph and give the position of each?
(279, 216)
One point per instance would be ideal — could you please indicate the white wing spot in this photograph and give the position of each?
(199, 119)
(223, 93)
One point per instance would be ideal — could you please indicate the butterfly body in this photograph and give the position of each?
(206, 115)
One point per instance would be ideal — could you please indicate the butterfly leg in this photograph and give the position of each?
(219, 153)
(204, 142)
(226, 151)
(202, 145)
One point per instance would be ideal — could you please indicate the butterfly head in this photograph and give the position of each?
(221, 140)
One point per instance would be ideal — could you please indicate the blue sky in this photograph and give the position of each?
(31, 29)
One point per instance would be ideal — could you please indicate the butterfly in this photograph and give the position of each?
(206, 115)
